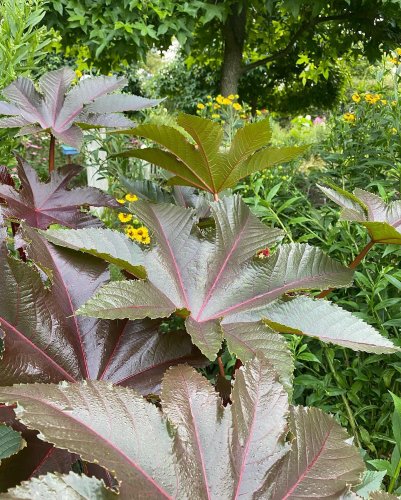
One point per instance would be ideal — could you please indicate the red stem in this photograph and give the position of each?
(52, 152)
(221, 367)
(353, 265)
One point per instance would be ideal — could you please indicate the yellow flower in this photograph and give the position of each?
(236, 96)
(219, 99)
(210, 104)
(120, 200)
(394, 60)
(243, 116)
(393, 130)
(145, 240)
(200, 106)
(356, 97)
(142, 231)
(372, 98)
(237, 106)
(216, 106)
(258, 112)
(209, 96)
(124, 217)
(131, 197)
(226, 101)
(398, 51)
(131, 233)
(349, 117)
(215, 115)
(231, 96)
(383, 101)
(78, 73)
(394, 103)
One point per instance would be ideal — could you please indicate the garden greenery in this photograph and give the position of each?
(80, 349)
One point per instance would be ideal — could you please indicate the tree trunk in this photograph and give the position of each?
(234, 32)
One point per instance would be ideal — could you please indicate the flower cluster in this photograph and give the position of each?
(395, 58)
(349, 117)
(134, 231)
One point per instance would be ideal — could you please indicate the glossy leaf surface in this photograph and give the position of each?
(41, 204)
(112, 425)
(58, 108)
(203, 163)
(382, 220)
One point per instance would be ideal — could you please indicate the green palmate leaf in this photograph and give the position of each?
(112, 425)
(306, 472)
(321, 319)
(383, 221)
(205, 164)
(68, 486)
(11, 442)
(215, 276)
(109, 245)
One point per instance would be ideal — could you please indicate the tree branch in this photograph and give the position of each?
(305, 26)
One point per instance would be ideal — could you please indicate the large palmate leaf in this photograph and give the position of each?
(216, 276)
(112, 425)
(59, 110)
(125, 352)
(67, 486)
(318, 452)
(41, 204)
(383, 221)
(202, 162)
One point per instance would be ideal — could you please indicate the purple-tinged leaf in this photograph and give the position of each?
(65, 486)
(131, 353)
(41, 204)
(112, 425)
(54, 85)
(58, 111)
(214, 277)
(35, 459)
(383, 221)
(5, 176)
(257, 442)
(202, 440)
(8, 109)
(107, 424)
(321, 464)
(120, 102)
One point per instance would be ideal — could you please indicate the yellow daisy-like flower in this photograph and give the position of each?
(216, 106)
(200, 105)
(131, 233)
(372, 98)
(120, 200)
(219, 99)
(394, 103)
(349, 117)
(124, 217)
(131, 197)
(237, 106)
(145, 240)
(231, 96)
(78, 73)
(356, 97)
(226, 101)
(215, 115)
(394, 60)
(398, 51)
(383, 101)
(142, 231)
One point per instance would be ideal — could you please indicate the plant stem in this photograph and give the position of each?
(52, 152)
(221, 367)
(353, 265)
(345, 401)
(395, 477)
(216, 196)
